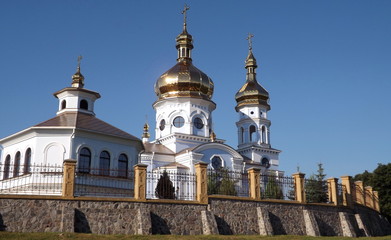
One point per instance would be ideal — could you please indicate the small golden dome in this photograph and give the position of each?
(252, 93)
(78, 78)
(184, 79)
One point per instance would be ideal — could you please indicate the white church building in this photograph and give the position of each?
(184, 132)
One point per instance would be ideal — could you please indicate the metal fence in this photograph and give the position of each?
(171, 185)
(31, 180)
(316, 191)
(104, 182)
(225, 182)
(341, 190)
(277, 187)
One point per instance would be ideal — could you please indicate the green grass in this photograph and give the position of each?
(79, 236)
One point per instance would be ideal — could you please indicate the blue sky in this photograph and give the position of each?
(326, 65)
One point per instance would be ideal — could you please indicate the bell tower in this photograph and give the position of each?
(253, 125)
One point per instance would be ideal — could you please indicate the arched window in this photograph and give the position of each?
(84, 104)
(17, 164)
(253, 134)
(122, 165)
(27, 161)
(183, 52)
(104, 163)
(241, 135)
(263, 137)
(63, 104)
(84, 160)
(7, 167)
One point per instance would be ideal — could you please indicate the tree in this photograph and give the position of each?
(164, 188)
(316, 187)
(380, 180)
(220, 182)
(273, 189)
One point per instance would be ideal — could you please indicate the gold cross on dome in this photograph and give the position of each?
(185, 9)
(250, 43)
(79, 58)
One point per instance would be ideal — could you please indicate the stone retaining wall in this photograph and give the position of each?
(221, 215)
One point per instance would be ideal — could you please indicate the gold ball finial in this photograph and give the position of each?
(213, 136)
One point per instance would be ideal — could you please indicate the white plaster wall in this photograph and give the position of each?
(188, 108)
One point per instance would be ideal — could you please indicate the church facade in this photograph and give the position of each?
(184, 133)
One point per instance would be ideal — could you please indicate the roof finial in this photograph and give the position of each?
(146, 135)
(212, 136)
(78, 78)
(250, 43)
(79, 58)
(185, 9)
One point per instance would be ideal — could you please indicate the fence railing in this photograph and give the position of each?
(225, 182)
(167, 184)
(277, 187)
(104, 182)
(31, 180)
(69, 182)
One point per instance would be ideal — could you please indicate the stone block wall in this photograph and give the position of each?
(225, 216)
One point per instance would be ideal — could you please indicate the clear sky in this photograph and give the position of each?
(326, 65)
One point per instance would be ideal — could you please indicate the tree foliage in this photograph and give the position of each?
(380, 180)
(273, 189)
(220, 182)
(165, 188)
(316, 187)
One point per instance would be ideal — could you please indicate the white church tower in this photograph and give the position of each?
(184, 106)
(253, 125)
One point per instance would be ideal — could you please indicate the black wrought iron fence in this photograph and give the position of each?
(316, 191)
(277, 187)
(341, 190)
(165, 184)
(31, 180)
(225, 182)
(104, 182)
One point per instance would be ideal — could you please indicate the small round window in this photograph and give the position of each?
(179, 122)
(162, 124)
(198, 123)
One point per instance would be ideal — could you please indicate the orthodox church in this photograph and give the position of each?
(184, 132)
(184, 124)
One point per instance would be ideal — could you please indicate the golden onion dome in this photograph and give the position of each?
(184, 79)
(251, 93)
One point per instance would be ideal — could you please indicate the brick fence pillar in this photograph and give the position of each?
(369, 196)
(68, 183)
(140, 181)
(299, 187)
(360, 192)
(254, 175)
(376, 201)
(332, 184)
(347, 190)
(202, 182)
